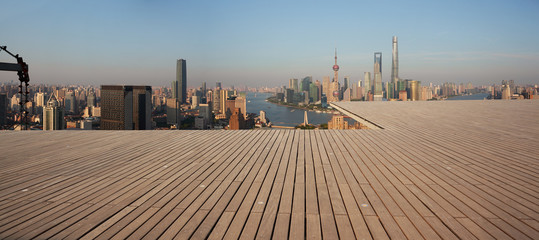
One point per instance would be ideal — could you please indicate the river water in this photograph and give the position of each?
(281, 115)
(478, 96)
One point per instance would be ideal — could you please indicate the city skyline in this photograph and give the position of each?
(245, 43)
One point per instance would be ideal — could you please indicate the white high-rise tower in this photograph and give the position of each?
(395, 66)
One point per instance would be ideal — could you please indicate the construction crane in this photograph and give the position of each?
(22, 70)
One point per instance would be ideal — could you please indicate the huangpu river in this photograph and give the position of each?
(281, 115)
(478, 96)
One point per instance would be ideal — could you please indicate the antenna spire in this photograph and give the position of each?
(335, 56)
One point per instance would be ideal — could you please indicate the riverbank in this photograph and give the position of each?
(323, 110)
(477, 96)
(283, 115)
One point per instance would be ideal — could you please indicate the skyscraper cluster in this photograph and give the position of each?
(372, 89)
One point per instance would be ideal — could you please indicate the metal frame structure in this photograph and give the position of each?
(22, 71)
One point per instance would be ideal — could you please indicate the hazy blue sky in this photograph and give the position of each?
(264, 43)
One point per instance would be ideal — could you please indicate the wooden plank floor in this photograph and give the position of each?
(462, 170)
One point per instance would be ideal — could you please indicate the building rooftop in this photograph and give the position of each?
(449, 169)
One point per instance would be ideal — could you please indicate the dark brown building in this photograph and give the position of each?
(237, 121)
(126, 107)
(230, 106)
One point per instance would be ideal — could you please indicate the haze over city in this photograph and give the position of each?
(265, 43)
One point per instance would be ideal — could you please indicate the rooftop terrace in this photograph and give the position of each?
(450, 169)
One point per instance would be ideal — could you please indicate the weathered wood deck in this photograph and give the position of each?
(463, 169)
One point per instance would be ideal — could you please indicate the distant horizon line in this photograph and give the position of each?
(242, 86)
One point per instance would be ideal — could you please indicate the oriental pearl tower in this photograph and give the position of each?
(334, 86)
(336, 68)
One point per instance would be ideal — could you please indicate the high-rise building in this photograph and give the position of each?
(179, 87)
(90, 102)
(512, 86)
(313, 92)
(216, 103)
(60, 94)
(346, 83)
(70, 103)
(204, 111)
(53, 115)
(230, 106)
(236, 121)
(347, 95)
(293, 84)
(126, 107)
(173, 111)
(218, 85)
(203, 121)
(413, 91)
(395, 62)
(289, 95)
(390, 90)
(209, 96)
(319, 86)
(378, 76)
(325, 86)
(3, 110)
(40, 99)
(305, 83)
(377, 62)
(401, 86)
(241, 103)
(203, 88)
(506, 92)
(324, 101)
(425, 93)
(222, 100)
(14, 102)
(195, 100)
(367, 82)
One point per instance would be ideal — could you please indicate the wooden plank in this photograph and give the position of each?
(195, 198)
(386, 218)
(474, 228)
(375, 227)
(313, 229)
(297, 221)
(105, 225)
(266, 226)
(408, 228)
(245, 177)
(135, 224)
(247, 203)
(441, 212)
(222, 226)
(205, 227)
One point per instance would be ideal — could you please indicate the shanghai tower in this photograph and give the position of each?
(395, 70)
